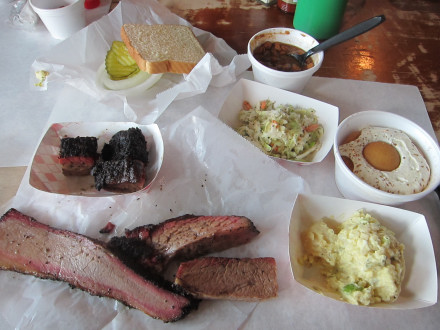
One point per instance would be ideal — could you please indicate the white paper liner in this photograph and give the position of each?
(76, 61)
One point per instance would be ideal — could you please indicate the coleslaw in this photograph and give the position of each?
(283, 131)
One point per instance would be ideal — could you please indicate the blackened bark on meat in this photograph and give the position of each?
(185, 238)
(80, 146)
(77, 156)
(30, 247)
(125, 175)
(121, 167)
(108, 228)
(130, 251)
(129, 144)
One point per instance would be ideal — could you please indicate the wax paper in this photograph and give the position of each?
(199, 175)
(297, 308)
(76, 61)
(23, 107)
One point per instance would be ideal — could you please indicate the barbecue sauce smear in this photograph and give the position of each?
(275, 56)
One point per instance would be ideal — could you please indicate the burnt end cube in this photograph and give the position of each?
(125, 175)
(122, 163)
(129, 144)
(77, 155)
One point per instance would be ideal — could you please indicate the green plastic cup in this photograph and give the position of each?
(319, 18)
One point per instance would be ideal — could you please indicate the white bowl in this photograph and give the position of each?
(353, 187)
(46, 172)
(254, 92)
(419, 286)
(292, 81)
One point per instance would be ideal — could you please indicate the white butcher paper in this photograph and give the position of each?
(75, 62)
(207, 170)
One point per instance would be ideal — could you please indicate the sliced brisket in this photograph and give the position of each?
(30, 247)
(229, 278)
(182, 238)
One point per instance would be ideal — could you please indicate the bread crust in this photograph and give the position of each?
(167, 65)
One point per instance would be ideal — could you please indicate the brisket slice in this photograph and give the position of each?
(182, 238)
(30, 247)
(229, 278)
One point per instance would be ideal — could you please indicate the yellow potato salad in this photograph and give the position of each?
(360, 258)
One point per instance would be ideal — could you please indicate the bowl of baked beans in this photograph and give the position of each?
(269, 50)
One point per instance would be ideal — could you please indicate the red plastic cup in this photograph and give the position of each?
(90, 4)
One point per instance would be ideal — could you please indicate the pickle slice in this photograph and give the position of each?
(118, 62)
(122, 53)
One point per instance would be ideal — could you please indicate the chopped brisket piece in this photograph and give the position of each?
(78, 155)
(108, 228)
(121, 167)
(229, 278)
(30, 247)
(125, 175)
(183, 238)
(129, 144)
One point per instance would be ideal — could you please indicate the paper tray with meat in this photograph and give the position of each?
(46, 170)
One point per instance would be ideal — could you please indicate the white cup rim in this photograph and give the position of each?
(54, 11)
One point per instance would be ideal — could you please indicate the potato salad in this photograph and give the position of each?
(360, 258)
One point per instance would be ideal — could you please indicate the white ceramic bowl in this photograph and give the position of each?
(353, 187)
(419, 286)
(254, 92)
(292, 81)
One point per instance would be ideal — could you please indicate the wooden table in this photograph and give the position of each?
(403, 50)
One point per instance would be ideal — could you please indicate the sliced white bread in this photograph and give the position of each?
(162, 48)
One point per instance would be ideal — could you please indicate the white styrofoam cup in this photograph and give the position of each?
(62, 18)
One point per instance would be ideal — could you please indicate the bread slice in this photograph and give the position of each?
(162, 48)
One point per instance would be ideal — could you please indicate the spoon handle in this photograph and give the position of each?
(348, 34)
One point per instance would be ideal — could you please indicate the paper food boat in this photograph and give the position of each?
(46, 172)
(254, 92)
(419, 287)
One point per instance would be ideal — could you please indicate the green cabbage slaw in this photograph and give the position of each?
(282, 131)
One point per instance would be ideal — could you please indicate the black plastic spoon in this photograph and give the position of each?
(340, 37)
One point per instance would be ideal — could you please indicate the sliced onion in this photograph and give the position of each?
(139, 82)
